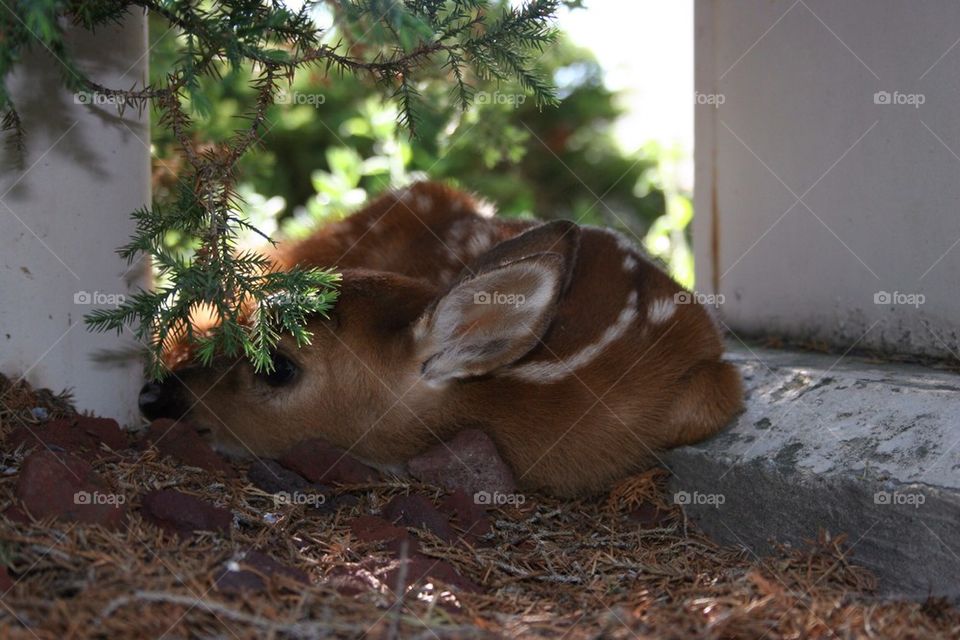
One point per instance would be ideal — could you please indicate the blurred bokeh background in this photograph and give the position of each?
(616, 151)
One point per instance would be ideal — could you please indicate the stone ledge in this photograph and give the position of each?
(851, 446)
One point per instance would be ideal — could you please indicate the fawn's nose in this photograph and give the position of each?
(159, 400)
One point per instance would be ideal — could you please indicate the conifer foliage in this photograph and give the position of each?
(397, 44)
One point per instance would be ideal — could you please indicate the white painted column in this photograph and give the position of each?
(828, 170)
(63, 213)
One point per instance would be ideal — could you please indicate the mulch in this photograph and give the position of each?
(114, 535)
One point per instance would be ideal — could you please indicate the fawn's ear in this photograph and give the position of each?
(561, 237)
(490, 320)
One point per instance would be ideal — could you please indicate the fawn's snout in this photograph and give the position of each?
(162, 399)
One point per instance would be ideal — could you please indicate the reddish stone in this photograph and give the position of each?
(183, 514)
(79, 434)
(250, 572)
(469, 516)
(649, 516)
(419, 568)
(418, 512)
(16, 514)
(352, 580)
(271, 477)
(6, 582)
(180, 440)
(105, 430)
(376, 529)
(318, 461)
(469, 462)
(67, 488)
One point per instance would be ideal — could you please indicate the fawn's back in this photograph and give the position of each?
(573, 351)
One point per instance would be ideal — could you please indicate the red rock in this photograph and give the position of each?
(418, 568)
(79, 434)
(6, 582)
(649, 516)
(352, 580)
(270, 476)
(319, 461)
(105, 430)
(180, 440)
(250, 571)
(469, 462)
(469, 516)
(418, 512)
(183, 514)
(376, 529)
(67, 488)
(16, 514)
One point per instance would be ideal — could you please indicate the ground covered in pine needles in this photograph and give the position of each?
(626, 565)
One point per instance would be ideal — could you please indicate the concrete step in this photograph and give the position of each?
(843, 444)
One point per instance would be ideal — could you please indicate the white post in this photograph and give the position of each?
(63, 213)
(828, 170)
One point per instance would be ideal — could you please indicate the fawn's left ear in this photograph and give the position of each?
(490, 320)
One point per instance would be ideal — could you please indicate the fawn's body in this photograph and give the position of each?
(565, 344)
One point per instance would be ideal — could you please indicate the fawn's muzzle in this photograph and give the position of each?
(161, 399)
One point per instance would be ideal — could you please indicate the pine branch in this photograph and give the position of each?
(457, 41)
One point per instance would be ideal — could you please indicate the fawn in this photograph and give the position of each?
(576, 354)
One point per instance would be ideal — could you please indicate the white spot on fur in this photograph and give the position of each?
(424, 202)
(484, 209)
(546, 372)
(629, 262)
(661, 310)
(480, 241)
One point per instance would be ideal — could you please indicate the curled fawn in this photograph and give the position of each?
(576, 354)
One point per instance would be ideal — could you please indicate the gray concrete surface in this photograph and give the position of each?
(827, 156)
(846, 445)
(64, 209)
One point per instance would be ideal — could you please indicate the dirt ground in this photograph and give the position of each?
(171, 541)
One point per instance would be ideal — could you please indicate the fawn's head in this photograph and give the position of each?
(383, 370)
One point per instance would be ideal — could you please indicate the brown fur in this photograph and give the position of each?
(406, 361)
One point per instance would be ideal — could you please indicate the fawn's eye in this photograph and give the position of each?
(283, 373)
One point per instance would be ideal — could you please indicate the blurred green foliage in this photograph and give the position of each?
(333, 142)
